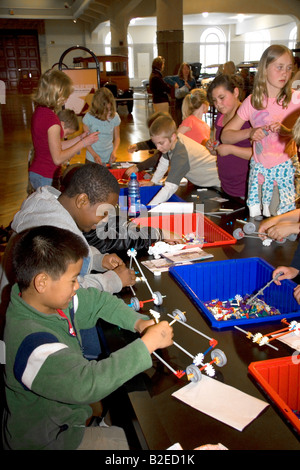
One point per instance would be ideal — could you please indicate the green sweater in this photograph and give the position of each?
(49, 384)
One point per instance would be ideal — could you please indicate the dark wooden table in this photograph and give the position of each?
(161, 420)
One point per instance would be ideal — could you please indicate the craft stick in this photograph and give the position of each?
(191, 328)
(165, 363)
(141, 271)
(248, 333)
(184, 350)
(263, 288)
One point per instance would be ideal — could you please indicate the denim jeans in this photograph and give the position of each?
(38, 180)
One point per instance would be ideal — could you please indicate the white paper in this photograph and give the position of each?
(175, 446)
(290, 339)
(222, 402)
(174, 207)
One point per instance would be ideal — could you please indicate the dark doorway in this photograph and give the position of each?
(19, 60)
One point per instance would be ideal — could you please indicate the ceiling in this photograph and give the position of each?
(94, 12)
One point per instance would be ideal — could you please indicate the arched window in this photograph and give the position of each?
(212, 48)
(293, 38)
(255, 44)
(130, 51)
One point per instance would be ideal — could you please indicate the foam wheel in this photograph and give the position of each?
(194, 373)
(220, 356)
(158, 300)
(238, 234)
(281, 242)
(180, 314)
(135, 303)
(249, 228)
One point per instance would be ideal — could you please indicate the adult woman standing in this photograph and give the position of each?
(183, 82)
(158, 87)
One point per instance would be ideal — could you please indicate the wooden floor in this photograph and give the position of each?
(15, 143)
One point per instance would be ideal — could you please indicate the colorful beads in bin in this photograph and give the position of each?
(238, 308)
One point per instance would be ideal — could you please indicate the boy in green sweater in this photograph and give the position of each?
(49, 383)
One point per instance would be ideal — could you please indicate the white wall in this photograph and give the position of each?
(57, 40)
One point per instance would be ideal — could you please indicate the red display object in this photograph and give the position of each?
(119, 174)
(186, 223)
(280, 379)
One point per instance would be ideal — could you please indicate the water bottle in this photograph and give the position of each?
(134, 198)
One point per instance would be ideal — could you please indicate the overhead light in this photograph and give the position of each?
(205, 14)
(75, 21)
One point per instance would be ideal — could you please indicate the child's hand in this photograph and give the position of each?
(288, 273)
(131, 169)
(141, 325)
(282, 230)
(111, 261)
(90, 139)
(112, 158)
(279, 128)
(223, 149)
(211, 146)
(258, 133)
(126, 275)
(158, 336)
(146, 183)
(83, 135)
(132, 148)
(97, 159)
(172, 238)
(297, 294)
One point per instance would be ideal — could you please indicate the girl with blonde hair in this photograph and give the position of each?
(50, 151)
(194, 105)
(103, 118)
(272, 109)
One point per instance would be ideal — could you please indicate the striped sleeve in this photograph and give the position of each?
(31, 355)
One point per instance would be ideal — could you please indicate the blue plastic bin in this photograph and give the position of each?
(147, 193)
(223, 280)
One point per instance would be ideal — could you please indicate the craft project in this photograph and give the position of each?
(156, 297)
(262, 340)
(249, 231)
(193, 371)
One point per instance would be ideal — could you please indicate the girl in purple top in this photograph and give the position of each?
(232, 160)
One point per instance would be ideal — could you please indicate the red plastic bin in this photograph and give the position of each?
(280, 379)
(119, 174)
(186, 223)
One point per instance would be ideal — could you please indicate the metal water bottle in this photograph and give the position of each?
(134, 198)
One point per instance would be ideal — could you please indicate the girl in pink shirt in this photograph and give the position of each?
(194, 105)
(49, 150)
(272, 110)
